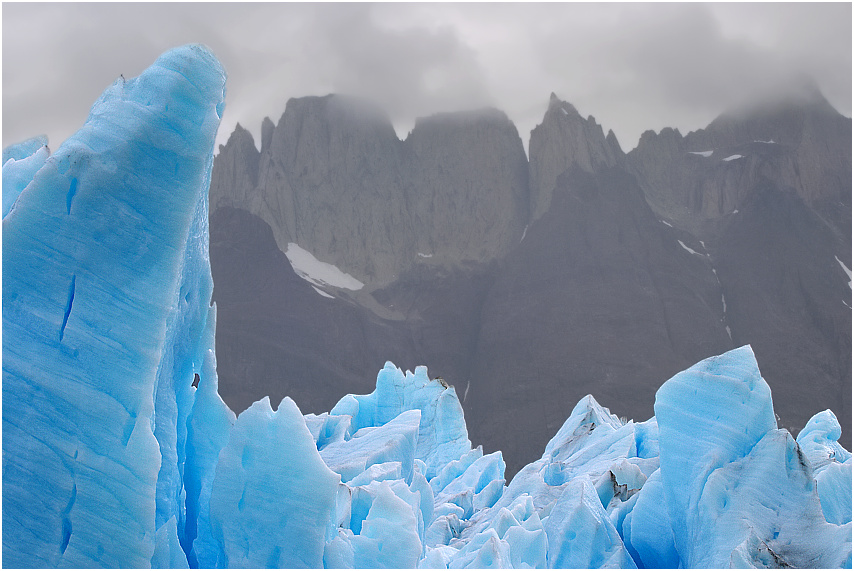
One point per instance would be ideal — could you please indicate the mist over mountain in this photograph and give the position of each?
(528, 282)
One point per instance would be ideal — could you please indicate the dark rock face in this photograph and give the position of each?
(333, 177)
(599, 298)
(467, 185)
(277, 335)
(777, 223)
(789, 298)
(806, 147)
(528, 284)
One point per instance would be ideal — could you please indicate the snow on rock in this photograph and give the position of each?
(322, 293)
(319, 273)
(687, 249)
(844, 267)
(420, 255)
(732, 158)
(701, 153)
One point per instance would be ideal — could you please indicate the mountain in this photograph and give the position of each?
(335, 179)
(769, 192)
(528, 283)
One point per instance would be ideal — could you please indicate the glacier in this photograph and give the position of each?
(119, 452)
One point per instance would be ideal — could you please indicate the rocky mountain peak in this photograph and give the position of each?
(267, 127)
(562, 140)
(612, 141)
(235, 170)
(797, 141)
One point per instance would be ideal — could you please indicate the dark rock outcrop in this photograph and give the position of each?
(599, 298)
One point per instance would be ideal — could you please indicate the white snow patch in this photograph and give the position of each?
(323, 293)
(465, 394)
(425, 255)
(565, 112)
(723, 301)
(728, 332)
(735, 211)
(319, 273)
(733, 157)
(666, 222)
(847, 271)
(524, 232)
(701, 153)
(769, 142)
(703, 244)
(714, 271)
(846, 304)
(681, 243)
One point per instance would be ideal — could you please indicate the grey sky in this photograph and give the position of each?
(632, 66)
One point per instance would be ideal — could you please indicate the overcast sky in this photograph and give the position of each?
(632, 66)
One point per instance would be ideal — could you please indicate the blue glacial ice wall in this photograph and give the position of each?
(106, 286)
(111, 457)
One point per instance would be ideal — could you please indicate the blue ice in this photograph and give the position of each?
(20, 164)
(101, 255)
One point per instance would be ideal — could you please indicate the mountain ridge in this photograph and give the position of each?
(439, 228)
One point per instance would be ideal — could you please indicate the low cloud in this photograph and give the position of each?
(632, 66)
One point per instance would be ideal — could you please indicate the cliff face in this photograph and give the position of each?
(769, 192)
(698, 179)
(530, 283)
(333, 177)
(467, 186)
